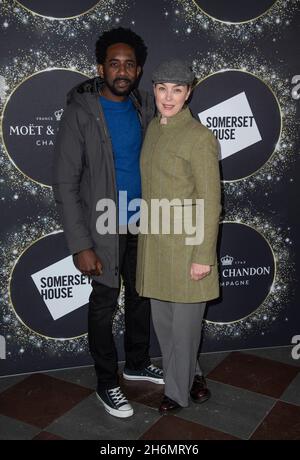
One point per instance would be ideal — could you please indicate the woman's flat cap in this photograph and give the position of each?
(173, 71)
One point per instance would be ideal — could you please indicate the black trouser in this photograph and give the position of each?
(102, 305)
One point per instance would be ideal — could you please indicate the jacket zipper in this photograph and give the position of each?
(102, 122)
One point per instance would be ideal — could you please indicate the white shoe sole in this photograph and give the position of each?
(148, 379)
(115, 412)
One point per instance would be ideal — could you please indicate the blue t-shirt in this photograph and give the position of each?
(126, 137)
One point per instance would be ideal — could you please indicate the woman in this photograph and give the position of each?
(179, 161)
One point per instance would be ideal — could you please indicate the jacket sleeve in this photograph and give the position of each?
(67, 171)
(205, 167)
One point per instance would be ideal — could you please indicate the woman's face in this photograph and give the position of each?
(170, 98)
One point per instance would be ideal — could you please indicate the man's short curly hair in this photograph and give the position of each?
(121, 35)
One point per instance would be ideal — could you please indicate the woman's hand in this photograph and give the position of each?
(198, 271)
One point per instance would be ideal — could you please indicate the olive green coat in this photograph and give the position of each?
(179, 160)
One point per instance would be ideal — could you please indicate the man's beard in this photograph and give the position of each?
(119, 91)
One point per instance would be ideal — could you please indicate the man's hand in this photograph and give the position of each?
(88, 263)
(198, 271)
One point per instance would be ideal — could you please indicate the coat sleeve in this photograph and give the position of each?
(206, 172)
(67, 172)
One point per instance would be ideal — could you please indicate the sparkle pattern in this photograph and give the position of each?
(105, 15)
(15, 186)
(187, 18)
(262, 182)
(19, 187)
(12, 75)
(284, 151)
(13, 330)
(259, 321)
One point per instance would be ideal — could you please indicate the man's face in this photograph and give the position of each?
(119, 70)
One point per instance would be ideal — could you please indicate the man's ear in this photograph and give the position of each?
(100, 70)
(138, 70)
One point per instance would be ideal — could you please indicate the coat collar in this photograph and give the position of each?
(179, 119)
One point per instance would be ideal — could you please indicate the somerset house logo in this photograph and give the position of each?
(243, 113)
(233, 124)
(62, 288)
(58, 292)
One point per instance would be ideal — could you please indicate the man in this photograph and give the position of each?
(97, 156)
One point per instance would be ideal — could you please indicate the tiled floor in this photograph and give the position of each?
(255, 395)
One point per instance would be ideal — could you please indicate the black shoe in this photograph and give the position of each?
(115, 402)
(150, 373)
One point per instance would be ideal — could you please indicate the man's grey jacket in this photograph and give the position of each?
(84, 172)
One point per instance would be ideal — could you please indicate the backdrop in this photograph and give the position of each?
(246, 57)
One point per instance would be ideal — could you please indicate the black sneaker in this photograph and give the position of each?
(150, 373)
(115, 402)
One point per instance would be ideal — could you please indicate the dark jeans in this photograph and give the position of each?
(102, 305)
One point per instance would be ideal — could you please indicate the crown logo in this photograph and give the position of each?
(227, 260)
(58, 114)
